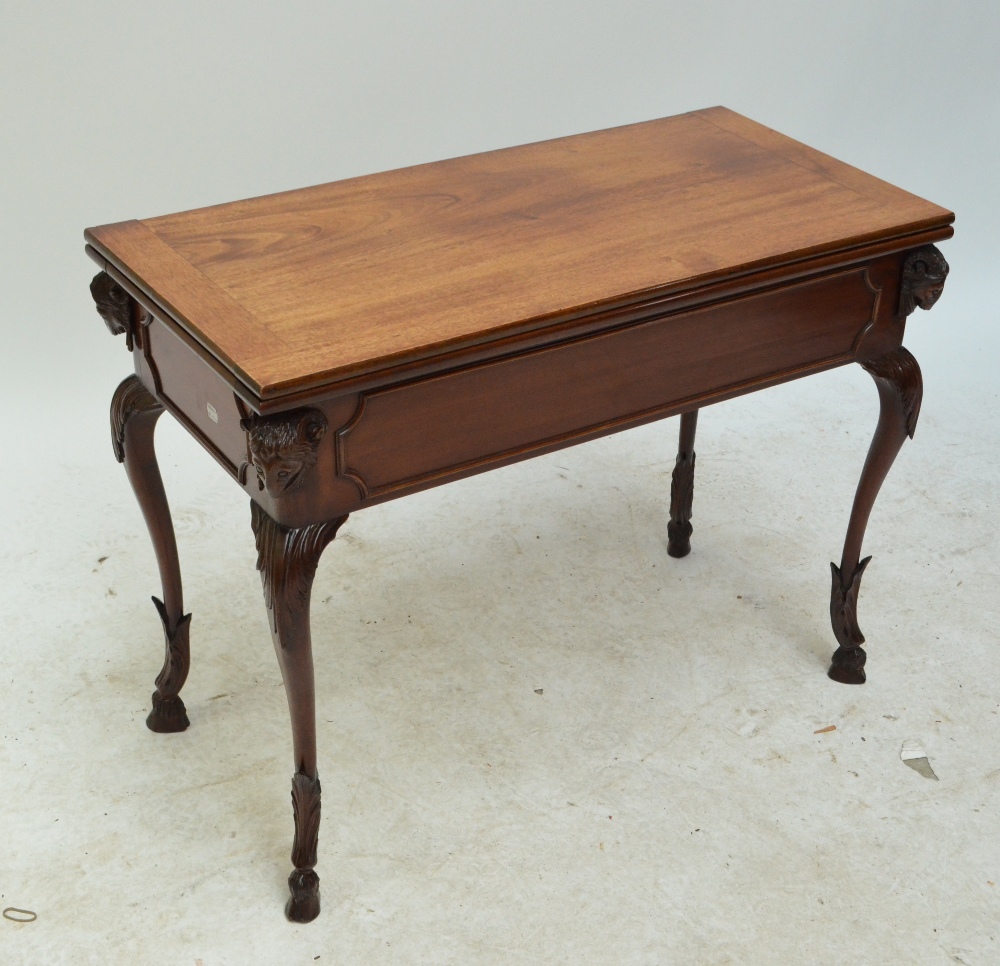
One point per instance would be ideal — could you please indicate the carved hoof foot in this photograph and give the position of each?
(848, 666)
(679, 539)
(168, 715)
(303, 906)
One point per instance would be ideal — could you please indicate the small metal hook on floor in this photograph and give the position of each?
(15, 915)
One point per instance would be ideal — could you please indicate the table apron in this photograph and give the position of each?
(412, 435)
(389, 441)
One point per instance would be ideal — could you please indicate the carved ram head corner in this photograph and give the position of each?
(924, 274)
(281, 448)
(114, 305)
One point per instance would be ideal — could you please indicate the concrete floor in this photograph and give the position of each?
(542, 740)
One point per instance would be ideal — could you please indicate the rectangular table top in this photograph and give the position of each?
(297, 290)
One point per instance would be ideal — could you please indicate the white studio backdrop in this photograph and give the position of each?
(117, 110)
(111, 111)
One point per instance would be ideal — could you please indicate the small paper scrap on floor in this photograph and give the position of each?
(912, 753)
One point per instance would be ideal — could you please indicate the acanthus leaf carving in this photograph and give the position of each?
(901, 372)
(303, 883)
(306, 813)
(287, 559)
(130, 398)
(169, 714)
(849, 659)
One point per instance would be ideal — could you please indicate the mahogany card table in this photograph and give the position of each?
(347, 344)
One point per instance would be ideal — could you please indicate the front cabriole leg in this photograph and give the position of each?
(283, 450)
(287, 560)
(900, 388)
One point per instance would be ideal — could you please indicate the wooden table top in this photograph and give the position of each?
(297, 290)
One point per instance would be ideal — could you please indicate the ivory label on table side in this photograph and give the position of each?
(196, 395)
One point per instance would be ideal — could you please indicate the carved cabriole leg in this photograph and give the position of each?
(134, 413)
(682, 489)
(900, 389)
(287, 560)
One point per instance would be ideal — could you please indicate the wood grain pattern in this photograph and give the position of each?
(219, 322)
(303, 288)
(875, 189)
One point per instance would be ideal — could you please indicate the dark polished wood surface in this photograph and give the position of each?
(339, 346)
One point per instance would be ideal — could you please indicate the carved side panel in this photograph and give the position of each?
(924, 275)
(477, 417)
